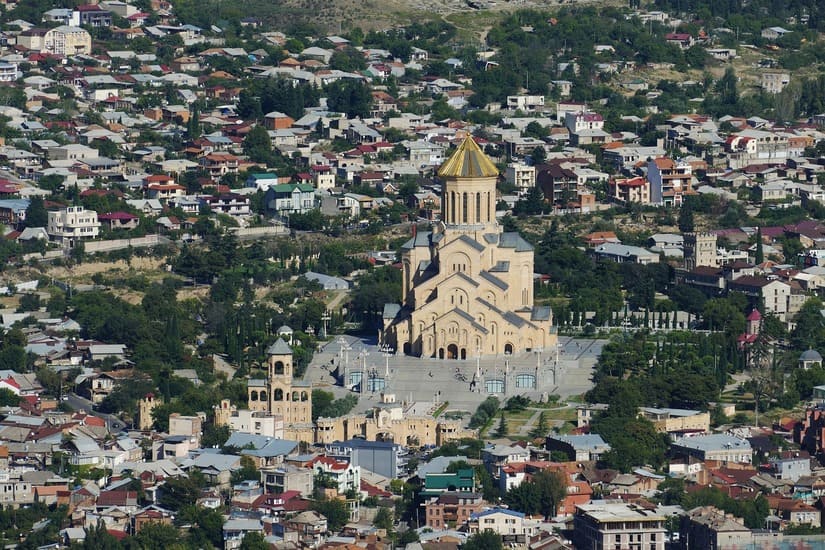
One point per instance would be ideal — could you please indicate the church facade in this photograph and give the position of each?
(467, 285)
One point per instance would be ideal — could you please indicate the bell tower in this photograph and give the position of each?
(468, 200)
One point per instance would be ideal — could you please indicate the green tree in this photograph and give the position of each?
(36, 215)
(760, 252)
(335, 510)
(540, 429)
(157, 536)
(254, 541)
(384, 519)
(8, 398)
(257, 145)
(484, 540)
(501, 431)
(179, 492)
(686, 223)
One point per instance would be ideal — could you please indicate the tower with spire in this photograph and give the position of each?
(467, 286)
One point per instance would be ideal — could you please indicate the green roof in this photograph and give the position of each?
(290, 187)
(265, 176)
(462, 479)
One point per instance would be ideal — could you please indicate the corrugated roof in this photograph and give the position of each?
(468, 161)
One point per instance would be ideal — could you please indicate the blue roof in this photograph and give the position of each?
(262, 445)
(15, 204)
(497, 511)
(364, 444)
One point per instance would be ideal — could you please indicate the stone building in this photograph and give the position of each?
(700, 250)
(467, 285)
(280, 395)
(145, 408)
(390, 421)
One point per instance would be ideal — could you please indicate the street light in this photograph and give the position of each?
(387, 351)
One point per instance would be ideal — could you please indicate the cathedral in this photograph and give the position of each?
(467, 285)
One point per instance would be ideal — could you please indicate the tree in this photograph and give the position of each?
(36, 215)
(540, 430)
(254, 541)
(686, 223)
(384, 519)
(179, 492)
(8, 398)
(484, 540)
(257, 145)
(538, 154)
(501, 431)
(760, 252)
(335, 510)
(157, 536)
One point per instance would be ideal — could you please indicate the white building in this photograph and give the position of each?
(9, 72)
(73, 223)
(258, 423)
(525, 102)
(520, 175)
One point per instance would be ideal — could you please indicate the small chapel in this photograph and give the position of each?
(467, 285)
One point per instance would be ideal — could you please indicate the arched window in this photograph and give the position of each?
(279, 395)
(279, 367)
(295, 396)
(253, 396)
(304, 396)
(452, 207)
(478, 207)
(488, 206)
(464, 207)
(263, 396)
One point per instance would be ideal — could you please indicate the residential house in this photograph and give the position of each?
(452, 509)
(621, 253)
(514, 527)
(670, 181)
(290, 198)
(66, 41)
(521, 176)
(218, 165)
(720, 447)
(310, 526)
(288, 477)
(774, 82)
(73, 223)
(709, 527)
(119, 220)
(578, 447)
(231, 204)
(630, 190)
(342, 475)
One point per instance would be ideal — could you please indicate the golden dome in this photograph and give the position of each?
(468, 161)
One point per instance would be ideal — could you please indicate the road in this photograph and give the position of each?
(113, 423)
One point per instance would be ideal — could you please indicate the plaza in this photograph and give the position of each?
(565, 371)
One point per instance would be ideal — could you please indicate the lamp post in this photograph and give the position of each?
(538, 368)
(344, 350)
(387, 351)
(325, 318)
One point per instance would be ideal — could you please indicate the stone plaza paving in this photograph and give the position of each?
(565, 372)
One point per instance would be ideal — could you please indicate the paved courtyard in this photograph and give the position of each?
(438, 380)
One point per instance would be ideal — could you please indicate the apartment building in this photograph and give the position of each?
(71, 224)
(614, 524)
